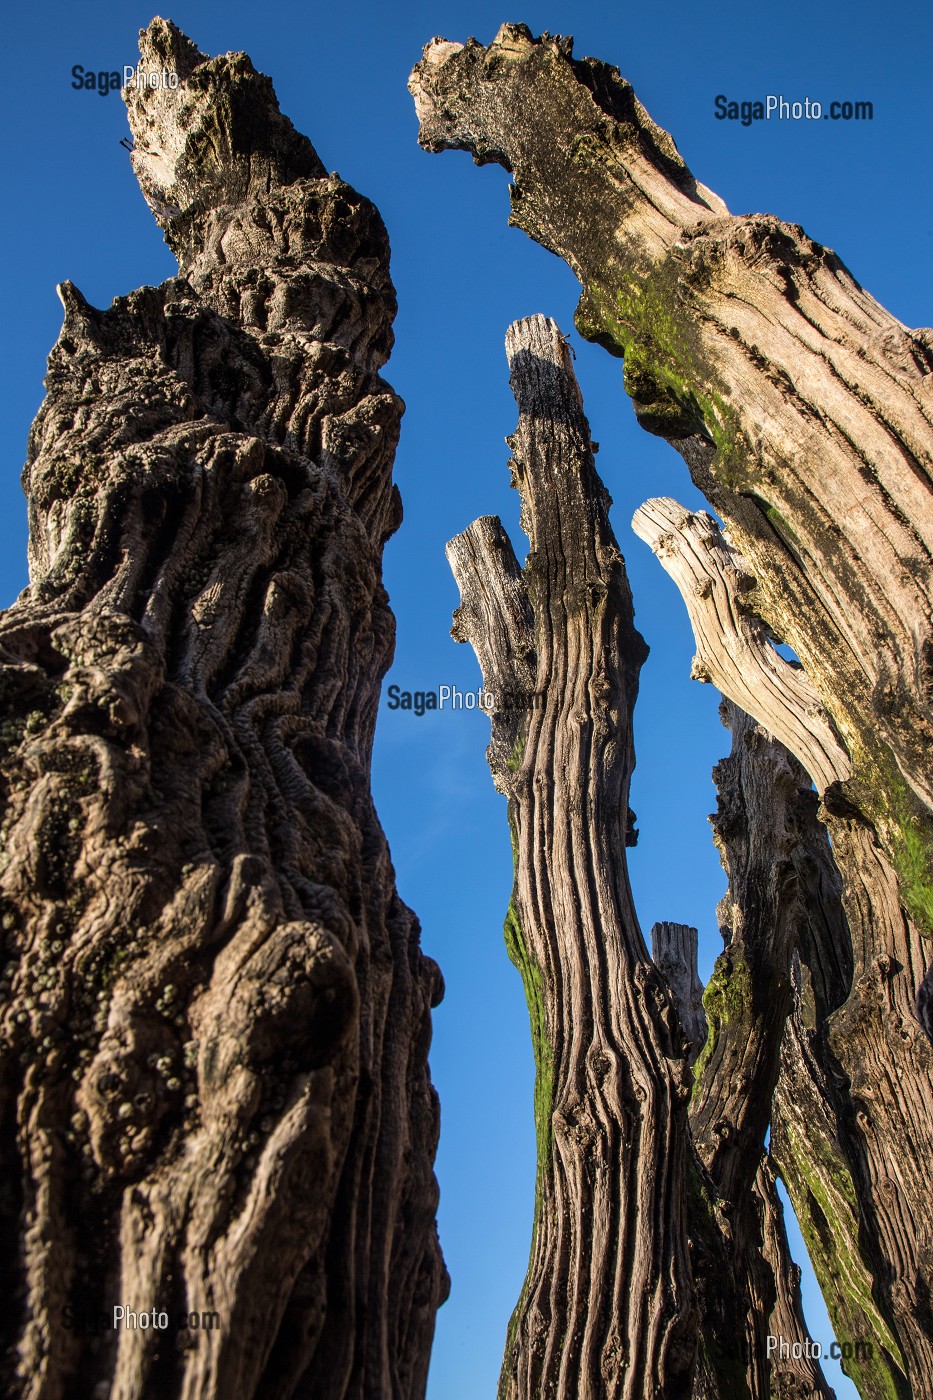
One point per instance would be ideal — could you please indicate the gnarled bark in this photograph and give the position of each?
(216, 1017)
(606, 1307)
(645, 1256)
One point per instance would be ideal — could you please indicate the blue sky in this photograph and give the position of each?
(73, 210)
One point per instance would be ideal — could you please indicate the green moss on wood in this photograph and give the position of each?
(666, 374)
(912, 845)
(514, 760)
(782, 525)
(825, 1201)
(675, 390)
(533, 983)
(724, 1362)
(727, 997)
(904, 825)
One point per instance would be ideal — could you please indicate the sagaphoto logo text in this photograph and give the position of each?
(777, 107)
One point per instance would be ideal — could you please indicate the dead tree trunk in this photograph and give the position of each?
(805, 413)
(757, 829)
(638, 1267)
(606, 1303)
(216, 1013)
(765, 1282)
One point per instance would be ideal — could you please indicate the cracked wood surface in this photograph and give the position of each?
(618, 1172)
(765, 1288)
(734, 649)
(761, 829)
(605, 1309)
(674, 953)
(216, 1013)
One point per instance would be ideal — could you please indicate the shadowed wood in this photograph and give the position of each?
(762, 804)
(869, 1035)
(674, 950)
(215, 1010)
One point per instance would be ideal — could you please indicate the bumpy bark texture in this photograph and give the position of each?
(216, 1015)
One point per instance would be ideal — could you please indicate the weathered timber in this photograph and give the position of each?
(862, 1162)
(803, 409)
(559, 653)
(748, 997)
(757, 830)
(674, 952)
(775, 1308)
(606, 1306)
(216, 1013)
(872, 956)
(816, 1155)
(762, 1279)
(735, 651)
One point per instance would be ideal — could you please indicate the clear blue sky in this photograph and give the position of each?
(73, 210)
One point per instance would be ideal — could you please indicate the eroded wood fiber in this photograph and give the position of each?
(607, 1300)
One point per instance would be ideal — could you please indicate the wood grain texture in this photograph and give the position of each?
(784, 877)
(734, 648)
(855, 1143)
(740, 334)
(216, 1013)
(869, 1033)
(606, 1306)
(659, 1260)
(674, 952)
(760, 826)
